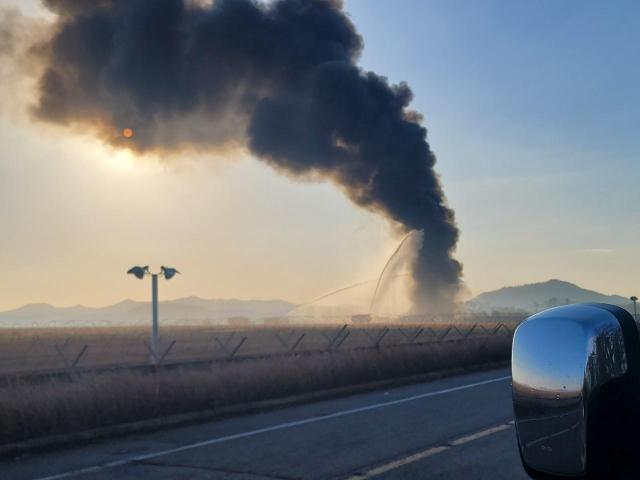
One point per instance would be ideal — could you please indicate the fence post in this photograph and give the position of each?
(441, 337)
(415, 337)
(381, 336)
(80, 355)
(235, 350)
(342, 340)
(295, 345)
(470, 331)
(166, 352)
(344, 327)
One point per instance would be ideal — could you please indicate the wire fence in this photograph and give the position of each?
(59, 351)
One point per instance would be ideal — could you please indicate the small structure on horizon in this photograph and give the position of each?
(238, 321)
(361, 319)
(275, 321)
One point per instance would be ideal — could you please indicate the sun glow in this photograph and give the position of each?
(122, 160)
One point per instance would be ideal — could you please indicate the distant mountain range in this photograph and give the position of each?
(183, 310)
(534, 297)
(524, 298)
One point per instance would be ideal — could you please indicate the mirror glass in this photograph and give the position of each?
(559, 358)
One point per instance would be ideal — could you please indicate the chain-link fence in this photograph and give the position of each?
(59, 351)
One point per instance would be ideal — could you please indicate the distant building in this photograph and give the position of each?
(418, 319)
(238, 321)
(361, 319)
(275, 321)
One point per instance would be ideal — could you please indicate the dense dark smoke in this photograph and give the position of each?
(279, 78)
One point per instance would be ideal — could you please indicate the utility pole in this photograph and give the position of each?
(154, 314)
(168, 273)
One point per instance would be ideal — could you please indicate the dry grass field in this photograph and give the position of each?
(43, 350)
(30, 410)
(207, 367)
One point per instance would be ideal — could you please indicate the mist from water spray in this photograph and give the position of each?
(403, 259)
(300, 308)
(378, 301)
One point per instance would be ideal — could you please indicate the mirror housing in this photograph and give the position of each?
(575, 372)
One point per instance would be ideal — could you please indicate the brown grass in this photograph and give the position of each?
(24, 351)
(90, 401)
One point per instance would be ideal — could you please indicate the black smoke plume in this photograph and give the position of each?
(279, 78)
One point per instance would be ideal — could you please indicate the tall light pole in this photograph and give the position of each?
(634, 299)
(168, 273)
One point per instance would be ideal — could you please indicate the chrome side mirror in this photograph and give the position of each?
(575, 391)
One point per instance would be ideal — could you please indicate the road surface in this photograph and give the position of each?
(458, 427)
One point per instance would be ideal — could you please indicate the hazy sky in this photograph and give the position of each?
(532, 108)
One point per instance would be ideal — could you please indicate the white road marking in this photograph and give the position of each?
(477, 435)
(387, 467)
(399, 463)
(281, 426)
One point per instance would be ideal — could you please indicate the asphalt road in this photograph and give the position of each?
(458, 427)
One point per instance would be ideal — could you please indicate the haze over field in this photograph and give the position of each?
(128, 312)
(193, 310)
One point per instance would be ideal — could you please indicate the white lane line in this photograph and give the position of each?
(281, 426)
(477, 435)
(387, 467)
(399, 463)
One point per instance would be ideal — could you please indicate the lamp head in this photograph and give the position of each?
(139, 272)
(168, 272)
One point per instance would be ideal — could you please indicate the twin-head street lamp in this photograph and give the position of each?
(168, 273)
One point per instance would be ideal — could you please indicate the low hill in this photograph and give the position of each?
(129, 312)
(538, 296)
